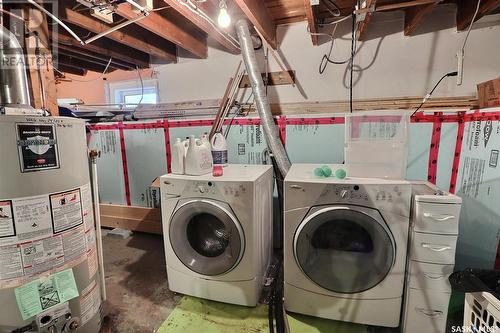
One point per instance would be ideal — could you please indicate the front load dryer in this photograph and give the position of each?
(345, 244)
(218, 232)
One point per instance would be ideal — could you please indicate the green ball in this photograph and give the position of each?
(327, 171)
(340, 173)
(319, 172)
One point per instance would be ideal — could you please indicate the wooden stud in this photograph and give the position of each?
(311, 20)
(210, 9)
(275, 79)
(146, 42)
(415, 15)
(467, 8)
(168, 29)
(256, 11)
(131, 218)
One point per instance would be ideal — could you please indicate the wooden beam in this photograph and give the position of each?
(106, 48)
(131, 218)
(70, 61)
(467, 8)
(275, 79)
(168, 29)
(91, 57)
(149, 43)
(415, 15)
(256, 11)
(311, 20)
(210, 9)
(363, 26)
(72, 70)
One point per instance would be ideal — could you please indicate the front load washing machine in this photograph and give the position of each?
(345, 246)
(218, 232)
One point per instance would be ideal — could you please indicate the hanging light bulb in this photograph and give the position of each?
(224, 20)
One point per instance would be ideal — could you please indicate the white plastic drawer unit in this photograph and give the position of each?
(430, 277)
(426, 312)
(436, 249)
(438, 218)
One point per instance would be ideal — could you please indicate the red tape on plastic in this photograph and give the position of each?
(124, 163)
(434, 149)
(456, 157)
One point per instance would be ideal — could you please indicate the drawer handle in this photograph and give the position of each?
(430, 313)
(296, 187)
(439, 218)
(436, 248)
(433, 277)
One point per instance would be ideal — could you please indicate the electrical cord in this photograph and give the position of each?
(91, 80)
(470, 26)
(353, 51)
(337, 8)
(430, 93)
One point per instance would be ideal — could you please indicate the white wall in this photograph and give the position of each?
(403, 66)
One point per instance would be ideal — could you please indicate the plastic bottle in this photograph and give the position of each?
(177, 163)
(219, 149)
(205, 141)
(198, 158)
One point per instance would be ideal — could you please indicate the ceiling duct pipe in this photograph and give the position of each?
(270, 129)
(14, 88)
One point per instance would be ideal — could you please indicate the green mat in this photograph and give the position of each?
(198, 315)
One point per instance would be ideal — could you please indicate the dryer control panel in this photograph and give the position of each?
(392, 197)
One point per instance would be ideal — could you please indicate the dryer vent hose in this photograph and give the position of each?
(270, 129)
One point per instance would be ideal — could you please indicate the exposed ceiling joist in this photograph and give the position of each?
(467, 8)
(168, 29)
(311, 20)
(416, 15)
(70, 61)
(256, 11)
(149, 43)
(209, 9)
(363, 25)
(91, 57)
(72, 70)
(107, 48)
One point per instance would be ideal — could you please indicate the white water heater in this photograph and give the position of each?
(49, 267)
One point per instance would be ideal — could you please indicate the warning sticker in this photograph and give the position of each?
(45, 234)
(66, 210)
(90, 302)
(37, 146)
(42, 294)
(7, 228)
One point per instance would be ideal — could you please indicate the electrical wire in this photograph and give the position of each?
(337, 8)
(353, 52)
(434, 88)
(470, 25)
(142, 88)
(91, 80)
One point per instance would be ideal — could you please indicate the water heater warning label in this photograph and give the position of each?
(37, 146)
(7, 228)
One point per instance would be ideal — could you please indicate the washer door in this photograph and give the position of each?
(206, 236)
(344, 249)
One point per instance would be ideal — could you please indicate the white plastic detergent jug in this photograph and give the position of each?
(198, 158)
(205, 141)
(219, 149)
(177, 162)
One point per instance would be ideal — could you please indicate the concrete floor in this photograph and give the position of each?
(136, 282)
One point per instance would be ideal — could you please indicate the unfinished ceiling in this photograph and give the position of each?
(186, 24)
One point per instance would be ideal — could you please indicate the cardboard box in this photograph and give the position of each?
(488, 93)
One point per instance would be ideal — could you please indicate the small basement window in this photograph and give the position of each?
(132, 92)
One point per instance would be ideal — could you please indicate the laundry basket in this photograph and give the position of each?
(482, 312)
(376, 144)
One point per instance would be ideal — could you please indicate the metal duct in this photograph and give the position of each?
(14, 89)
(270, 129)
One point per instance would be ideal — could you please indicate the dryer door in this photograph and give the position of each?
(206, 236)
(344, 249)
